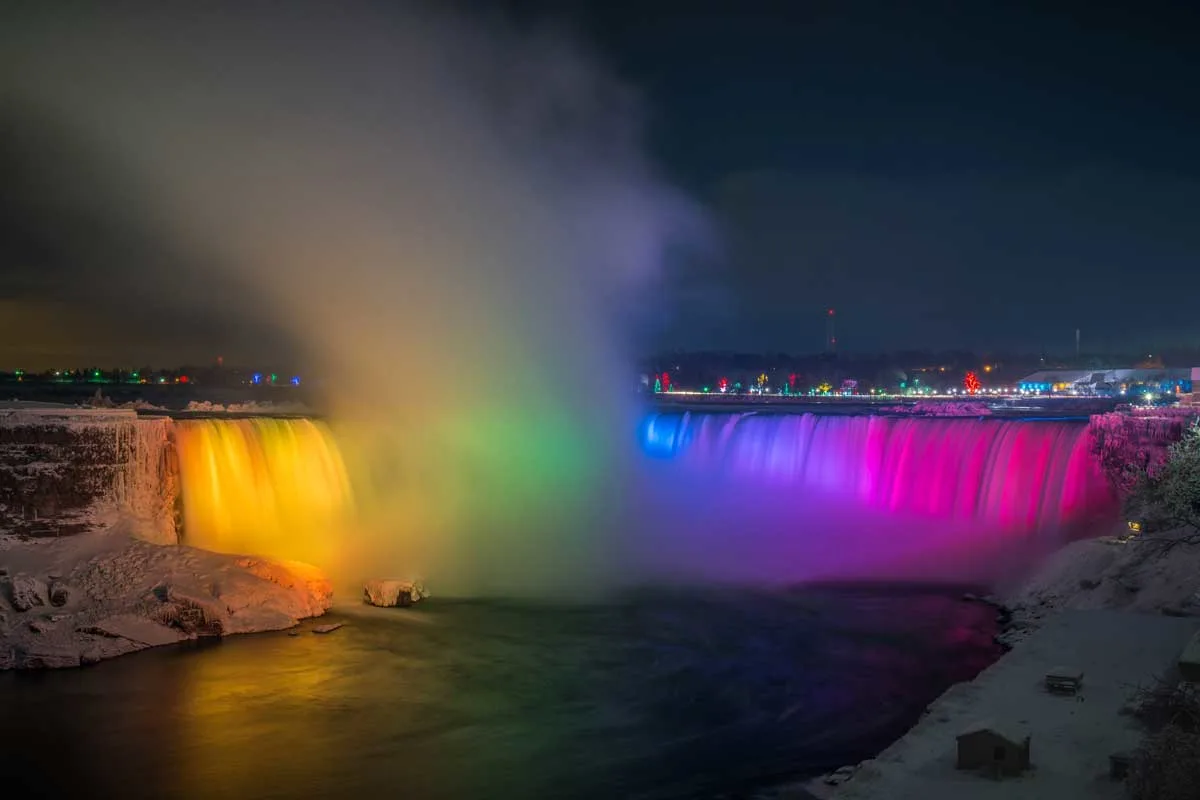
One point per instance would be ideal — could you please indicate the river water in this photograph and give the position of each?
(658, 694)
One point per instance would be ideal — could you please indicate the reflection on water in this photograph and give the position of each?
(664, 694)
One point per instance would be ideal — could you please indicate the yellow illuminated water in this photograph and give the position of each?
(274, 487)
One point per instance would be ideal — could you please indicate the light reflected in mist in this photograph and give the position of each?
(450, 216)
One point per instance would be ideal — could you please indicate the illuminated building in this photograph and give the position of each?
(1112, 382)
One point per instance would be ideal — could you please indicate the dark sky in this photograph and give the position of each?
(948, 175)
(987, 175)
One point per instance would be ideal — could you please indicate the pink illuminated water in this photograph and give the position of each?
(795, 496)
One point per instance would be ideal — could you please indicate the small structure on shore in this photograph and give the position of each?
(998, 751)
(1064, 680)
(1119, 764)
(1189, 660)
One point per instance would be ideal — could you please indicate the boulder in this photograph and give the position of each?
(188, 610)
(392, 592)
(841, 775)
(59, 593)
(25, 592)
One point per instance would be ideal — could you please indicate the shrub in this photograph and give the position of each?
(1167, 765)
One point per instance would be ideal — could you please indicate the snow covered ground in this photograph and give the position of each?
(1122, 613)
(79, 599)
(1071, 738)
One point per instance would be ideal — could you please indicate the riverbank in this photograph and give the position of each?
(80, 599)
(1071, 738)
(1120, 612)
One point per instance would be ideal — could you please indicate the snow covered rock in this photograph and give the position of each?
(25, 592)
(139, 630)
(126, 595)
(194, 612)
(841, 775)
(307, 586)
(391, 592)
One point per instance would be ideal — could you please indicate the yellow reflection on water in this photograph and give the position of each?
(275, 487)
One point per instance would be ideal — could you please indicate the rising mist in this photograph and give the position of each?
(449, 217)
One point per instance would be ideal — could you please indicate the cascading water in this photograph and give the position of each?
(801, 496)
(1006, 472)
(747, 496)
(263, 486)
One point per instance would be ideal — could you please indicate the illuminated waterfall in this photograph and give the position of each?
(1008, 473)
(263, 486)
(794, 497)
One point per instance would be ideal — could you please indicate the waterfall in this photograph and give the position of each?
(1010, 474)
(262, 486)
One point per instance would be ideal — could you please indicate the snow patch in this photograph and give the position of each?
(120, 594)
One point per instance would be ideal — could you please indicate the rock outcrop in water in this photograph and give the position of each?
(112, 594)
(89, 562)
(392, 593)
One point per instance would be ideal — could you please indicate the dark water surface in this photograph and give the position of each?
(661, 694)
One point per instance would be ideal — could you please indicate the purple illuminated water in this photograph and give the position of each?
(798, 496)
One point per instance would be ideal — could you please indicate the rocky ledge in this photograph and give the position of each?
(76, 601)
(393, 592)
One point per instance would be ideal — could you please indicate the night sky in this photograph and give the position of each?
(948, 175)
(983, 175)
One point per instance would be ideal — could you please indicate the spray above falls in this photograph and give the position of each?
(446, 216)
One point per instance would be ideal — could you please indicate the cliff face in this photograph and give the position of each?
(62, 470)
(1132, 441)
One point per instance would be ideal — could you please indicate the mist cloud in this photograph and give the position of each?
(450, 216)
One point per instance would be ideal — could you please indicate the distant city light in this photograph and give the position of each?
(295, 380)
(256, 378)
